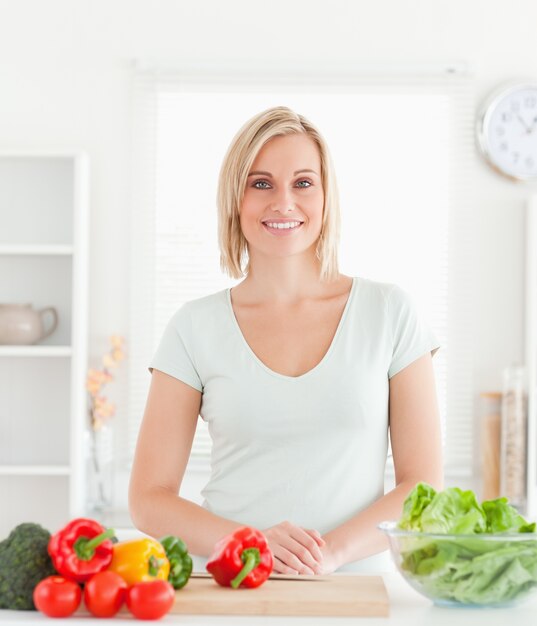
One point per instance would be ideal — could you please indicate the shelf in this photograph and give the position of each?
(35, 470)
(37, 250)
(33, 351)
(44, 239)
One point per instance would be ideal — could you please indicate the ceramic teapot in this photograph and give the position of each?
(21, 324)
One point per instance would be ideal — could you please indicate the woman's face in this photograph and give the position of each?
(282, 209)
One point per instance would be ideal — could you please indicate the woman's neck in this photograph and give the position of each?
(282, 281)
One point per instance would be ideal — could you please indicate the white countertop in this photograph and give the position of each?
(407, 608)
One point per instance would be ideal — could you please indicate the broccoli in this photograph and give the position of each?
(24, 561)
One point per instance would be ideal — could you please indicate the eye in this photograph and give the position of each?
(309, 183)
(262, 182)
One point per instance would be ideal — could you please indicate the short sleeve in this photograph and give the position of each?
(174, 354)
(412, 336)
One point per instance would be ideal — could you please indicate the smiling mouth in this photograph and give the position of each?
(282, 226)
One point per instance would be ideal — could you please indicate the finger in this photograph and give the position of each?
(294, 563)
(309, 549)
(299, 557)
(281, 568)
(317, 536)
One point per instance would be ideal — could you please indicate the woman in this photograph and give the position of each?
(299, 371)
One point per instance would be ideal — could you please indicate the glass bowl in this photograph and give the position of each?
(481, 570)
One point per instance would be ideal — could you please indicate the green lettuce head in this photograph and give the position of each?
(502, 517)
(417, 500)
(454, 511)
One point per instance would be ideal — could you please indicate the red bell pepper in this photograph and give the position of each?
(81, 549)
(242, 558)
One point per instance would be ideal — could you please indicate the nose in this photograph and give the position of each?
(283, 201)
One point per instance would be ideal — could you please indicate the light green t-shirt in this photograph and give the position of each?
(309, 449)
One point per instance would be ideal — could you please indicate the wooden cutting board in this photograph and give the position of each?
(336, 596)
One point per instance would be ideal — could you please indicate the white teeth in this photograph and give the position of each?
(283, 224)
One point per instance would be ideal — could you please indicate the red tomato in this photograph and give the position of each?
(104, 593)
(56, 596)
(150, 600)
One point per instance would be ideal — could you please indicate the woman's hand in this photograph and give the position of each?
(329, 564)
(296, 550)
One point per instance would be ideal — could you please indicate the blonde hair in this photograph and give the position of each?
(245, 146)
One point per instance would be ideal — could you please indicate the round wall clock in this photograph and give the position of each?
(507, 130)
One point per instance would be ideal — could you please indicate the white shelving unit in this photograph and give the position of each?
(35, 470)
(44, 351)
(44, 211)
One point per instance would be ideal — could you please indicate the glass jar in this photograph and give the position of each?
(514, 436)
(99, 468)
(490, 431)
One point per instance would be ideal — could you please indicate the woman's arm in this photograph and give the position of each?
(160, 460)
(417, 454)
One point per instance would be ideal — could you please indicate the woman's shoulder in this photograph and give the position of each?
(204, 306)
(207, 301)
(375, 289)
(396, 301)
(382, 298)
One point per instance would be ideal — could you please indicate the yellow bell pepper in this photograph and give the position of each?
(140, 560)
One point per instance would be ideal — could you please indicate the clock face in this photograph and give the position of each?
(508, 133)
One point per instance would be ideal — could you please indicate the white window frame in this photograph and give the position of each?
(451, 79)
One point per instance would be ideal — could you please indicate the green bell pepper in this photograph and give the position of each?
(180, 561)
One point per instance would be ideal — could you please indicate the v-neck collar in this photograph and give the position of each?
(321, 362)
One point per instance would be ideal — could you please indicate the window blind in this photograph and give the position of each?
(402, 144)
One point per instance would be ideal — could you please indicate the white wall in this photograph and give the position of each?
(64, 82)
